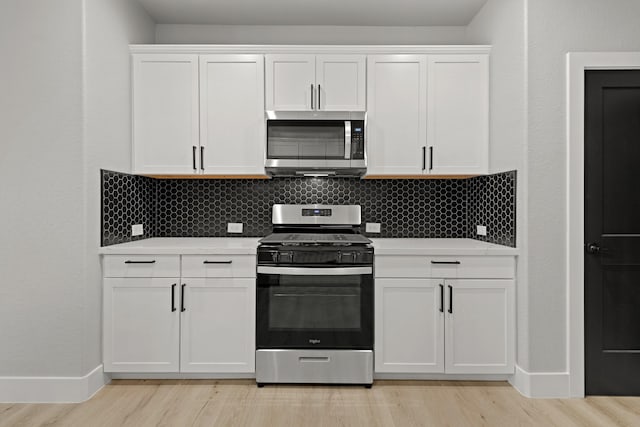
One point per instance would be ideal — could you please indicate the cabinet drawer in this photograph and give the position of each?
(218, 266)
(472, 267)
(402, 266)
(141, 266)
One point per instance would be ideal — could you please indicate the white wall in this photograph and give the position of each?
(502, 24)
(64, 113)
(555, 28)
(299, 34)
(111, 25)
(41, 196)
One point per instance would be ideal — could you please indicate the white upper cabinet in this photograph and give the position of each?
(290, 82)
(165, 113)
(341, 82)
(232, 123)
(198, 114)
(428, 114)
(396, 114)
(458, 114)
(296, 82)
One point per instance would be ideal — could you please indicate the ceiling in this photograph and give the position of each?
(314, 12)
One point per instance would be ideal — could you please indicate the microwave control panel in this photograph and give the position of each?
(357, 139)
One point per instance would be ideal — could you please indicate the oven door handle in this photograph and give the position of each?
(310, 271)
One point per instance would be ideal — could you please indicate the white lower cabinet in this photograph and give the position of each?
(409, 326)
(218, 325)
(445, 325)
(179, 324)
(141, 325)
(479, 326)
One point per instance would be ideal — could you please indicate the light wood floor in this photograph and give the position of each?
(388, 404)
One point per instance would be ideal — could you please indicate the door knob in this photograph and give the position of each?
(593, 248)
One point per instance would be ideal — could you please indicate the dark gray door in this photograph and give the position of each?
(612, 232)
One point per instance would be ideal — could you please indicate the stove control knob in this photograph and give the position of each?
(285, 257)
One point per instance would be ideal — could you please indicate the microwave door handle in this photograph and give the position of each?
(347, 139)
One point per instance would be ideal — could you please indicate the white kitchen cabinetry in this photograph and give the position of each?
(232, 114)
(165, 113)
(141, 317)
(442, 321)
(218, 323)
(201, 322)
(296, 82)
(396, 131)
(458, 114)
(428, 114)
(198, 114)
(409, 326)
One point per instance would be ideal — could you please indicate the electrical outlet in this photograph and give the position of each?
(481, 230)
(234, 227)
(137, 230)
(372, 227)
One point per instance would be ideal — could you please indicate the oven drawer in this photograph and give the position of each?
(218, 266)
(314, 366)
(141, 266)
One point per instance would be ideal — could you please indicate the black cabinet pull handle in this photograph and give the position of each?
(182, 298)
(173, 297)
(140, 262)
(446, 262)
(312, 96)
(194, 158)
(319, 96)
(430, 158)
(424, 158)
(450, 298)
(202, 158)
(441, 298)
(217, 262)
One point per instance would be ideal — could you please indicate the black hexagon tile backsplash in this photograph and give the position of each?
(405, 208)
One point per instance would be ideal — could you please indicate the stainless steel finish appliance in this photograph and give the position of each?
(314, 318)
(312, 143)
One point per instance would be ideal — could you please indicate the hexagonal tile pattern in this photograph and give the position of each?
(126, 200)
(492, 202)
(405, 208)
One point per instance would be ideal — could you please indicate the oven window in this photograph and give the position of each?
(305, 139)
(315, 303)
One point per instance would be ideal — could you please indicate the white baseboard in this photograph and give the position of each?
(52, 389)
(180, 376)
(541, 384)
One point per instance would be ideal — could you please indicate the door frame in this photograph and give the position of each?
(576, 65)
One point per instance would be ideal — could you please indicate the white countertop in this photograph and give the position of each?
(186, 245)
(248, 245)
(439, 247)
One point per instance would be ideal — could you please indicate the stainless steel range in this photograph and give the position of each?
(314, 319)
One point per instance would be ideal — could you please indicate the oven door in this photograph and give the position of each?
(304, 308)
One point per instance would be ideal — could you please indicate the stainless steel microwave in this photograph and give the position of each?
(316, 143)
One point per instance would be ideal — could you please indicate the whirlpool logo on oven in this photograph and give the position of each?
(312, 341)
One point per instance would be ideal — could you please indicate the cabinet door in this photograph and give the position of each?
(290, 82)
(218, 326)
(480, 327)
(141, 325)
(458, 113)
(341, 81)
(397, 109)
(165, 113)
(409, 326)
(232, 119)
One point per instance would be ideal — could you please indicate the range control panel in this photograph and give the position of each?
(316, 212)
